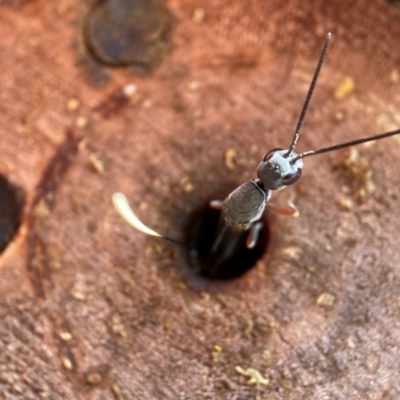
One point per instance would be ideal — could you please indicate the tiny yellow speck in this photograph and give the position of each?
(116, 390)
(328, 247)
(182, 286)
(395, 76)
(199, 15)
(73, 104)
(326, 300)
(230, 155)
(345, 203)
(82, 144)
(287, 384)
(129, 89)
(94, 378)
(188, 187)
(350, 343)
(81, 122)
(339, 116)
(193, 86)
(345, 88)
(66, 336)
(67, 363)
(97, 163)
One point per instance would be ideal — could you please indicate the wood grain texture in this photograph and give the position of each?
(120, 318)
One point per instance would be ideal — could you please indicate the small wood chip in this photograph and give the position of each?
(326, 300)
(361, 172)
(117, 326)
(372, 362)
(350, 342)
(199, 15)
(345, 88)
(81, 122)
(267, 355)
(230, 158)
(188, 187)
(328, 247)
(82, 144)
(292, 252)
(345, 203)
(339, 116)
(182, 286)
(193, 86)
(117, 391)
(97, 163)
(66, 336)
(42, 210)
(73, 104)
(67, 364)
(260, 266)
(94, 378)
(287, 384)
(395, 76)
(78, 291)
(255, 375)
(129, 90)
(215, 356)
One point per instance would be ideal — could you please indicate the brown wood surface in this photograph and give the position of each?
(91, 309)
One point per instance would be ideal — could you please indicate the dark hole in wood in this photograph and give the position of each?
(232, 259)
(128, 32)
(12, 201)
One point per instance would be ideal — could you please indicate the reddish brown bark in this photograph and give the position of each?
(118, 317)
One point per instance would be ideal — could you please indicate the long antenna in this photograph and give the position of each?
(346, 144)
(309, 95)
(122, 206)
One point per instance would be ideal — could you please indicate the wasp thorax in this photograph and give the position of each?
(278, 169)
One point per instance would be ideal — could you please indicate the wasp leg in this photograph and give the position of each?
(222, 228)
(218, 239)
(225, 239)
(217, 204)
(254, 233)
(292, 211)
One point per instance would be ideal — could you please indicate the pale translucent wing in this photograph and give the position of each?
(122, 206)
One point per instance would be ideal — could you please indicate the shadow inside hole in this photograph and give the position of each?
(12, 201)
(232, 259)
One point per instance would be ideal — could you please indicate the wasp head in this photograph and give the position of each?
(279, 169)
